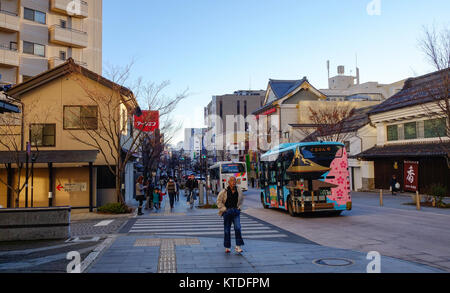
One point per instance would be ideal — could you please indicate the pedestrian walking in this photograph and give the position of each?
(140, 196)
(191, 185)
(178, 191)
(230, 202)
(171, 189)
(395, 186)
(156, 198)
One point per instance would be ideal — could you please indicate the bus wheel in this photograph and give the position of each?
(263, 202)
(291, 208)
(335, 213)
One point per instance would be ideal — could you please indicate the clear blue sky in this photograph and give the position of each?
(214, 47)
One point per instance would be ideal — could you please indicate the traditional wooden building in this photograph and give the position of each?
(412, 135)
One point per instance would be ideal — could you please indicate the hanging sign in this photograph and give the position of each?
(411, 176)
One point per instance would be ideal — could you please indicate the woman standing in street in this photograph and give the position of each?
(140, 197)
(230, 202)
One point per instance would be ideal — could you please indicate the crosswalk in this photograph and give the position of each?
(203, 226)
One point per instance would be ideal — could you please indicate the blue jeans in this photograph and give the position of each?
(232, 217)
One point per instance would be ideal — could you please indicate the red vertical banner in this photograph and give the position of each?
(411, 176)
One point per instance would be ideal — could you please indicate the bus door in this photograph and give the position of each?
(280, 184)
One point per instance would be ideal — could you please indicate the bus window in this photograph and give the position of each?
(322, 152)
(272, 173)
(233, 168)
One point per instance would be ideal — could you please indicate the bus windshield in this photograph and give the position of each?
(322, 152)
(233, 168)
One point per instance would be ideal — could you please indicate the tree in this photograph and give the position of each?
(329, 123)
(436, 47)
(114, 135)
(12, 141)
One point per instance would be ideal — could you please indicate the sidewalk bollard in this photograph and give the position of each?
(417, 200)
(381, 197)
(201, 194)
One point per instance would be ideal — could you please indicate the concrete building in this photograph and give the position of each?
(37, 35)
(226, 136)
(349, 88)
(193, 141)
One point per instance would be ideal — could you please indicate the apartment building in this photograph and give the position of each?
(38, 35)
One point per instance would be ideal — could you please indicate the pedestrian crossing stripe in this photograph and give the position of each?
(203, 225)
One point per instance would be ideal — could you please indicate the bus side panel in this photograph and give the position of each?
(273, 196)
(286, 193)
(339, 174)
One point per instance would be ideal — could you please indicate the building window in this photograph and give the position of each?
(221, 109)
(245, 109)
(34, 15)
(34, 49)
(392, 132)
(80, 117)
(62, 55)
(43, 135)
(410, 130)
(435, 128)
(239, 107)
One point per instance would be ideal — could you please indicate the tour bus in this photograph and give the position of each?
(222, 171)
(306, 178)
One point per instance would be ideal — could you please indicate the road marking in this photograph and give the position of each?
(167, 262)
(96, 252)
(104, 223)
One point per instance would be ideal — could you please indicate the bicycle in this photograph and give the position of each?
(192, 198)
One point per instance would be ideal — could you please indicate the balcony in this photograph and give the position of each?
(9, 21)
(56, 61)
(9, 57)
(68, 37)
(79, 9)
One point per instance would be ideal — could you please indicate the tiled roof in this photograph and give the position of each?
(281, 88)
(407, 150)
(416, 91)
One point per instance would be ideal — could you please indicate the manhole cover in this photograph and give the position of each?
(333, 262)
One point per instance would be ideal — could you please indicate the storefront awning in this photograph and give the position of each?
(50, 157)
(406, 150)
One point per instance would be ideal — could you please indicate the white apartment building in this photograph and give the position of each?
(37, 35)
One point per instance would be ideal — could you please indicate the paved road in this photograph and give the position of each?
(189, 241)
(395, 230)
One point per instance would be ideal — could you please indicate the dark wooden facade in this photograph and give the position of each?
(431, 170)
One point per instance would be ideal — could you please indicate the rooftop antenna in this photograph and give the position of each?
(357, 71)
(328, 68)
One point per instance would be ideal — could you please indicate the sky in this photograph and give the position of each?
(215, 47)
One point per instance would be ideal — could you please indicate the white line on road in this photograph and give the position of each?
(104, 223)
